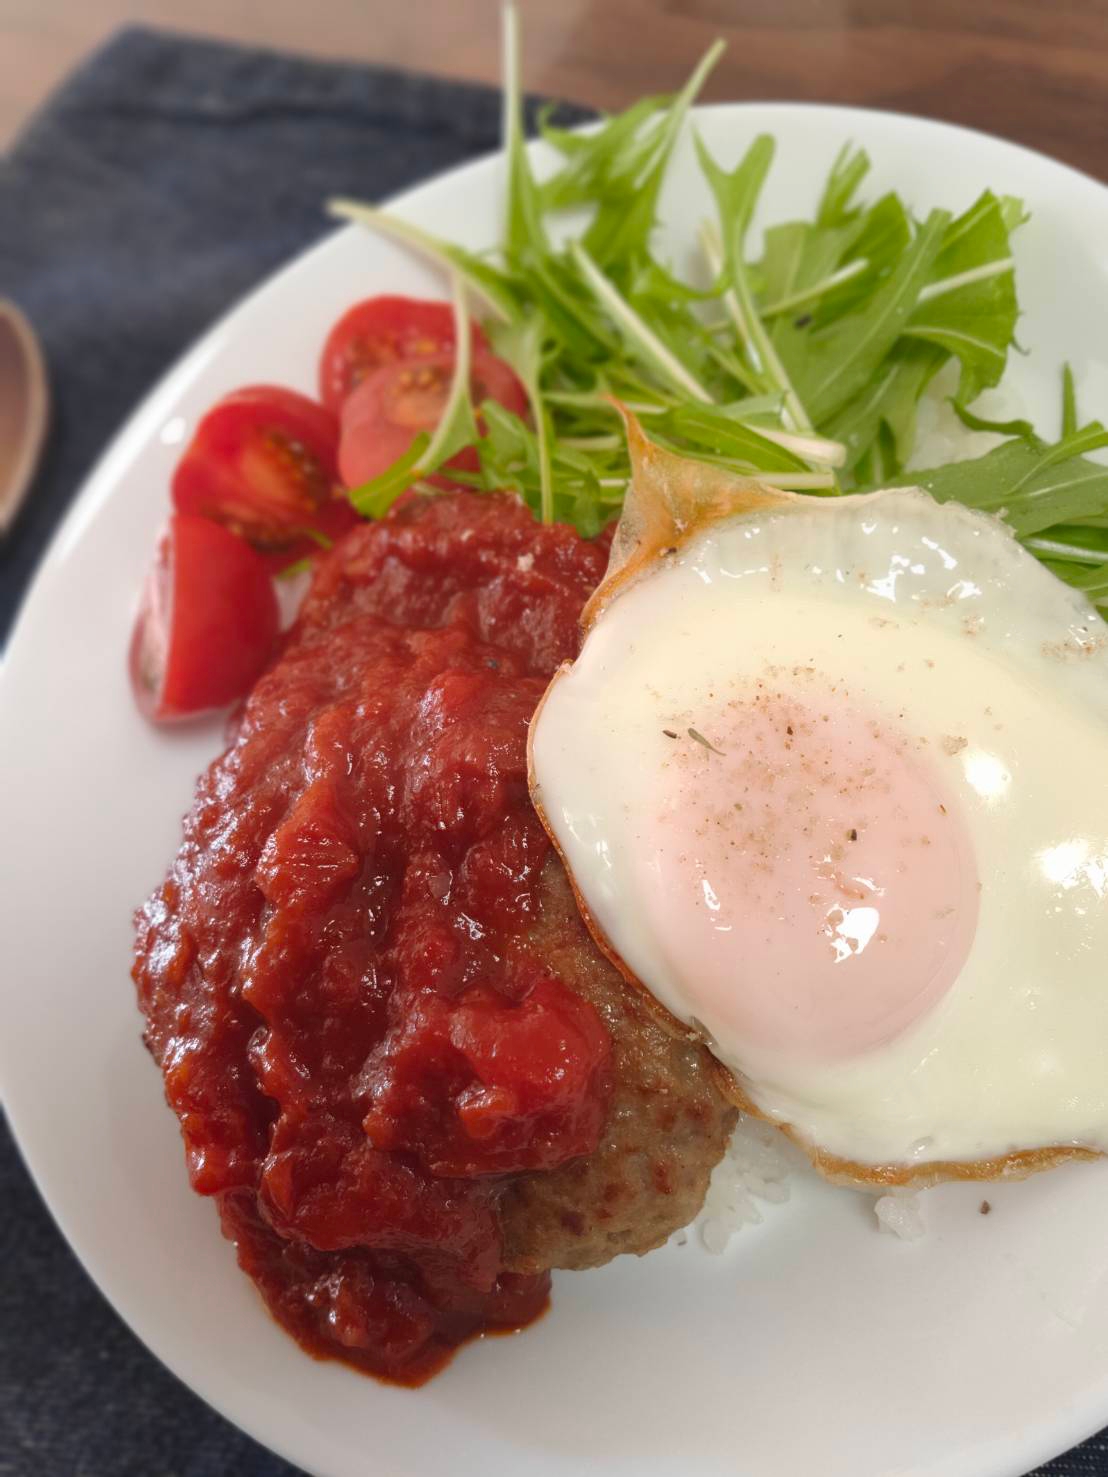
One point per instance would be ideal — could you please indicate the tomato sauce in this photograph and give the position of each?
(357, 1040)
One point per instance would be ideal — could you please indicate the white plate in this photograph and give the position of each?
(814, 1344)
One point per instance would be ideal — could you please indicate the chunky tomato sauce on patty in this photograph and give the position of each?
(359, 1042)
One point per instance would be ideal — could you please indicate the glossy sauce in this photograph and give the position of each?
(357, 1040)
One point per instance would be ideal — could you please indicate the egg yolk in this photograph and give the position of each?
(812, 880)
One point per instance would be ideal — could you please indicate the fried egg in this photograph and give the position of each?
(830, 779)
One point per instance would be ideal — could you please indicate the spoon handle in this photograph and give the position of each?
(24, 410)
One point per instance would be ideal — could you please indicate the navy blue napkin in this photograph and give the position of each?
(161, 182)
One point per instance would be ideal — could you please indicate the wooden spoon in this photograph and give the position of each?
(24, 409)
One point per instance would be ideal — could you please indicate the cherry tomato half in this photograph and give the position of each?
(383, 415)
(206, 624)
(262, 461)
(380, 331)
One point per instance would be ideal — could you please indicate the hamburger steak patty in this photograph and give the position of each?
(409, 1078)
(666, 1128)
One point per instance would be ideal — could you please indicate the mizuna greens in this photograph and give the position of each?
(803, 366)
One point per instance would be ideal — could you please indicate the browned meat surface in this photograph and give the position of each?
(667, 1126)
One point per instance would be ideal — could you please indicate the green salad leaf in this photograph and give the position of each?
(969, 306)
(834, 362)
(1032, 484)
(798, 354)
(626, 194)
(1093, 583)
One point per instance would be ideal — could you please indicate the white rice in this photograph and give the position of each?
(901, 1214)
(756, 1171)
(755, 1168)
(940, 435)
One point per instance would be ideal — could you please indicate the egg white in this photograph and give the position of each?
(936, 615)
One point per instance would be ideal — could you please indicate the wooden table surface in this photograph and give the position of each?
(1031, 70)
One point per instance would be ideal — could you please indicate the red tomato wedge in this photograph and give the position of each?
(206, 624)
(263, 462)
(383, 415)
(381, 331)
